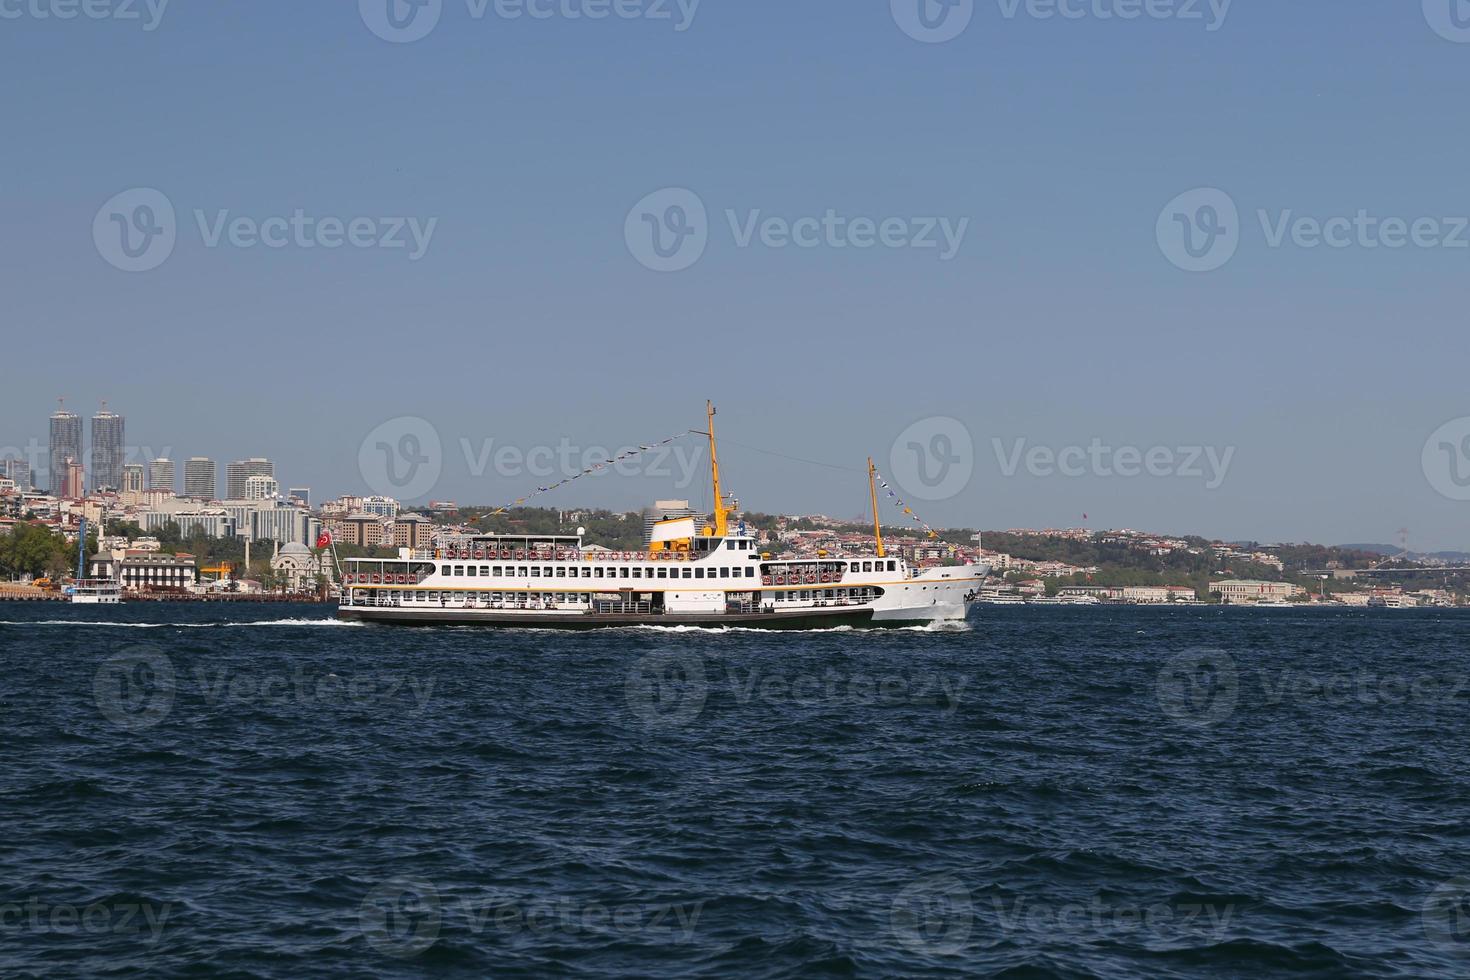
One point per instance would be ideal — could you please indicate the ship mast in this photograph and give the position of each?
(873, 497)
(722, 513)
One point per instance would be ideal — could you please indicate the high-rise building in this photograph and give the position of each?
(74, 483)
(107, 450)
(66, 444)
(260, 487)
(199, 478)
(17, 470)
(302, 494)
(161, 475)
(241, 470)
(132, 478)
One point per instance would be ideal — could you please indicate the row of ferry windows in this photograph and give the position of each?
(592, 571)
(596, 571)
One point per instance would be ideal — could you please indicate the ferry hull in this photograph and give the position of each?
(802, 619)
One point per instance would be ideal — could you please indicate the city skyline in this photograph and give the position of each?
(1062, 315)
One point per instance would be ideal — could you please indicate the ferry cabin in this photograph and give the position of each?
(552, 573)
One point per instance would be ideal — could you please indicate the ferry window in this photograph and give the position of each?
(459, 570)
(546, 571)
(597, 573)
(699, 573)
(637, 573)
(561, 572)
(535, 571)
(724, 573)
(688, 572)
(473, 571)
(495, 570)
(663, 573)
(622, 573)
(749, 572)
(892, 567)
(586, 572)
(448, 570)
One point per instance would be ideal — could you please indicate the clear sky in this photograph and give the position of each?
(1056, 314)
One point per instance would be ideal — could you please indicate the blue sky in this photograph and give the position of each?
(529, 319)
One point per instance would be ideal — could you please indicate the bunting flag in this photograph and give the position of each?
(903, 506)
(626, 454)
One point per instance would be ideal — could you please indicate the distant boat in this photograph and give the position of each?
(94, 591)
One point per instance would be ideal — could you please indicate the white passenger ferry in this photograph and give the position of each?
(685, 578)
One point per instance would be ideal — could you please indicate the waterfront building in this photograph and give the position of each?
(108, 452)
(1244, 590)
(298, 566)
(140, 570)
(162, 476)
(199, 478)
(132, 478)
(240, 470)
(66, 446)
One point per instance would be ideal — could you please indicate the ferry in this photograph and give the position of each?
(94, 591)
(714, 577)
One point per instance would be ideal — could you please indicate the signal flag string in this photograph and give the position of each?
(627, 454)
(898, 501)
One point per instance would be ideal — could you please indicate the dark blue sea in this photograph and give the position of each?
(193, 791)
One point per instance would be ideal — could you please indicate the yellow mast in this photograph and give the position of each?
(722, 513)
(873, 496)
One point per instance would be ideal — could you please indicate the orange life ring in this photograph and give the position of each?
(826, 576)
(765, 580)
(811, 578)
